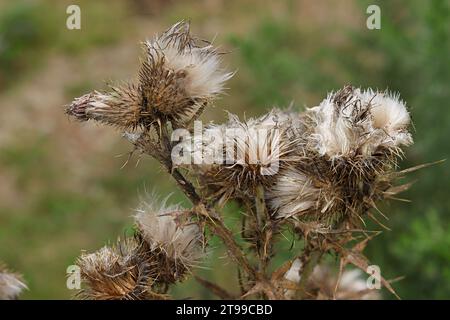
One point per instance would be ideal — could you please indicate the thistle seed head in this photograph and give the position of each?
(177, 245)
(352, 285)
(120, 272)
(318, 190)
(351, 122)
(353, 140)
(323, 284)
(180, 75)
(11, 284)
(247, 153)
(293, 193)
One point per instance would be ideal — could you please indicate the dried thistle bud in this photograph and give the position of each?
(180, 75)
(78, 107)
(238, 156)
(324, 285)
(11, 284)
(121, 272)
(120, 107)
(175, 244)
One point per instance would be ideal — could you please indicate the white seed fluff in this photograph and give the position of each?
(160, 229)
(204, 76)
(292, 194)
(368, 120)
(10, 286)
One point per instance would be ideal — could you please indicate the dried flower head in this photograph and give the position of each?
(120, 107)
(120, 272)
(390, 118)
(352, 122)
(351, 285)
(246, 154)
(293, 193)
(179, 76)
(352, 144)
(175, 244)
(324, 285)
(11, 284)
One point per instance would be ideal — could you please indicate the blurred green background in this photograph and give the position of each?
(61, 186)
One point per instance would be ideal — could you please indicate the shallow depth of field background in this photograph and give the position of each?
(61, 186)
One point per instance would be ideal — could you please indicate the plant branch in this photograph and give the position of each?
(215, 289)
(208, 214)
(265, 227)
(311, 258)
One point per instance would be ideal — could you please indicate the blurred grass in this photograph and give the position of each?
(30, 29)
(64, 192)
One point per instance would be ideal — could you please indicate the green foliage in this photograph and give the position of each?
(277, 64)
(270, 57)
(24, 33)
(30, 29)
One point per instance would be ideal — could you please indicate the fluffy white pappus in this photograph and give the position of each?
(101, 261)
(352, 285)
(293, 275)
(260, 142)
(389, 114)
(204, 76)
(161, 230)
(10, 286)
(278, 117)
(292, 194)
(243, 144)
(352, 280)
(334, 134)
(359, 123)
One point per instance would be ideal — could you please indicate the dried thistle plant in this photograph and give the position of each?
(319, 173)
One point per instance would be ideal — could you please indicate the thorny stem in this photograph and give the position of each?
(208, 214)
(263, 220)
(218, 227)
(260, 205)
(212, 219)
(215, 289)
(187, 187)
(215, 223)
(310, 261)
(241, 284)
